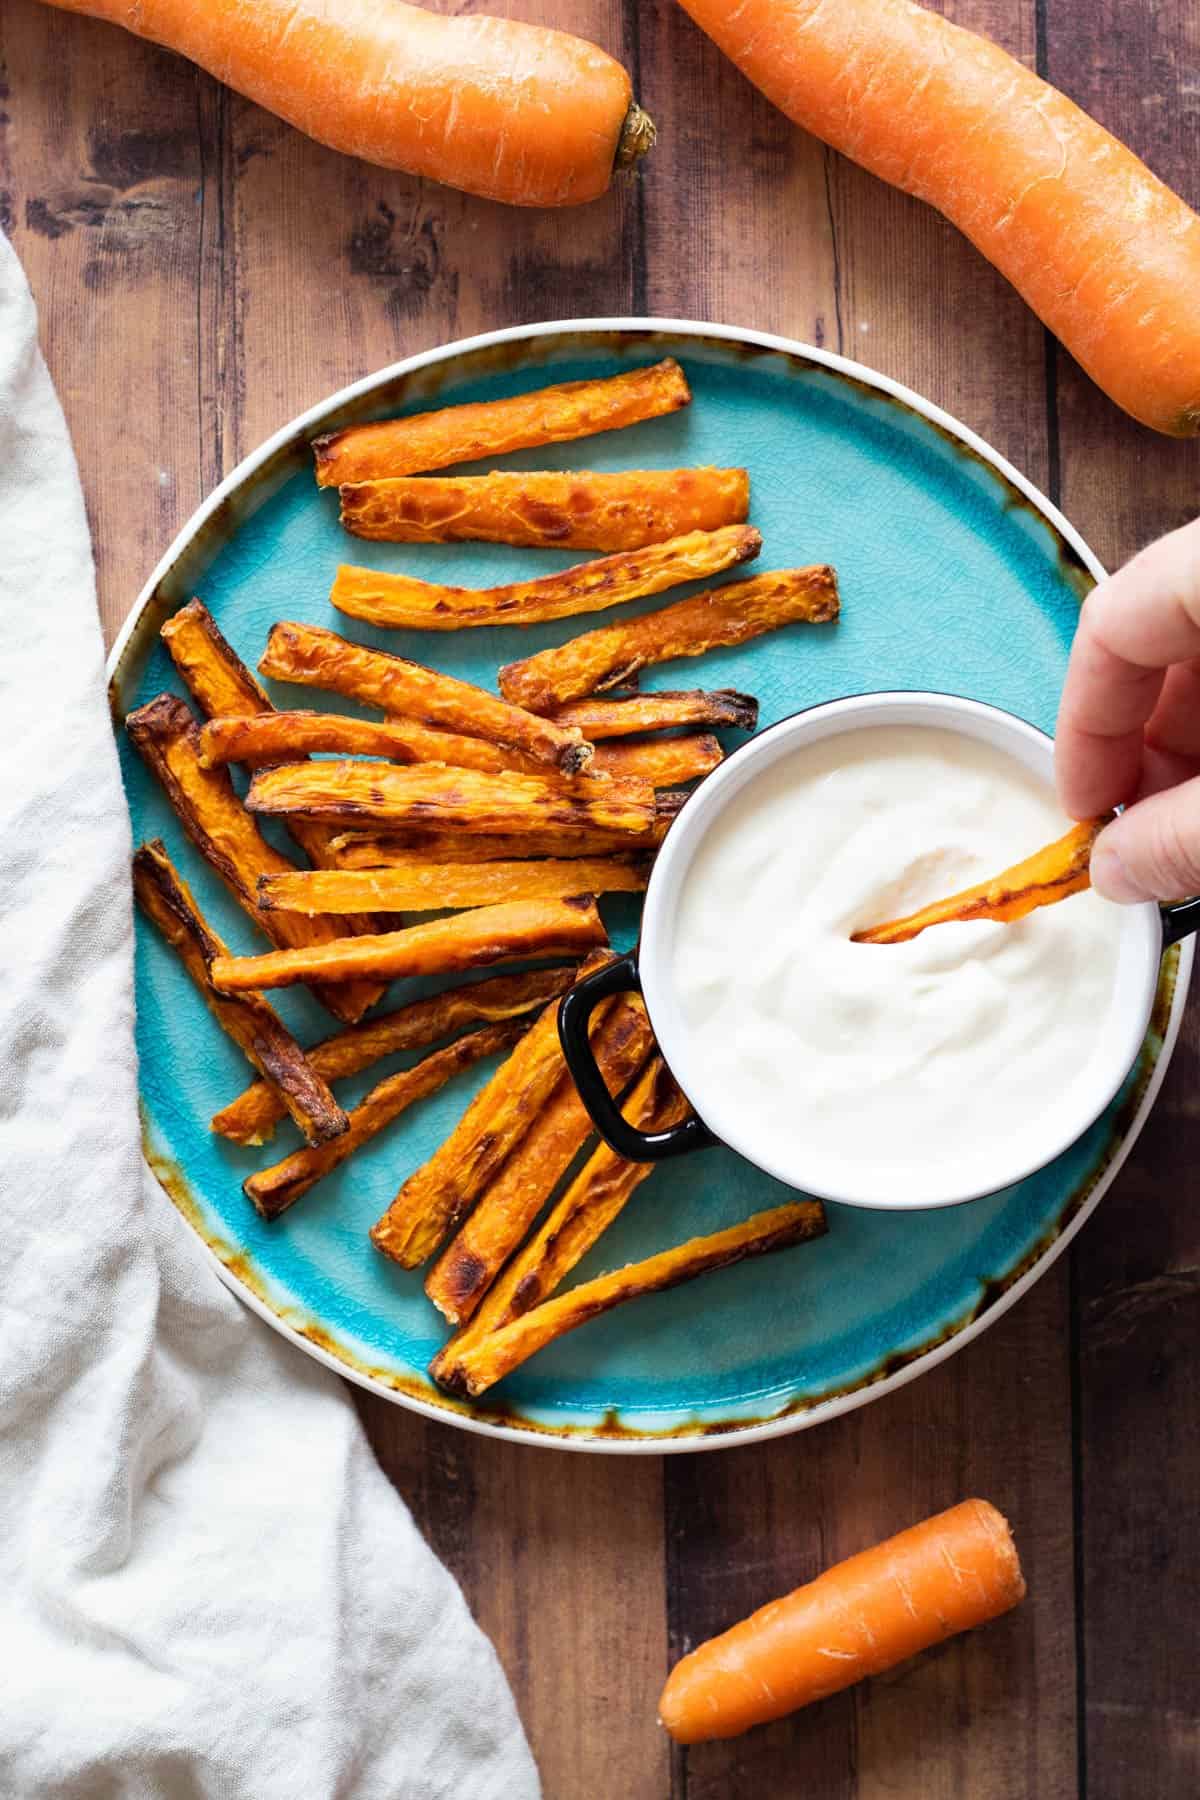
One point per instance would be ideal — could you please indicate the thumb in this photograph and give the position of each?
(1152, 851)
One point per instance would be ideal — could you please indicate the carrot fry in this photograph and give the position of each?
(480, 1367)
(165, 732)
(354, 850)
(252, 1117)
(1105, 254)
(273, 1190)
(510, 111)
(216, 677)
(422, 886)
(663, 762)
(470, 1263)
(556, 510)
(946, 1575)
(725, 616)
(609, 718)
(469, 940)
(433, 795)
(221, 684)
(599, 1192)
(436, 1196)
(403, 601)
(290, 1079)
(1048, 876)
(317, 658)
(454, 434)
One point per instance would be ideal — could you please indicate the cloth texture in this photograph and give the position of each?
(207, 1587)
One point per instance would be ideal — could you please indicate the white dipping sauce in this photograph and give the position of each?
(912, 1070)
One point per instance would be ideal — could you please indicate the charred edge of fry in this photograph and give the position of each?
(251, 1117)
(468, 1265)
(196, 614)
(695, 709)
(498, 1354)
(272, 1191)
(295, 1086)
(435, 1197)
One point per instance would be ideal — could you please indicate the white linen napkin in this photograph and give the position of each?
(207, 1587)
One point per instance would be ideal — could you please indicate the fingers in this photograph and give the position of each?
(1152, 852)
(1134, 626)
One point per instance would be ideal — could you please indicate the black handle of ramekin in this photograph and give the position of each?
(1179, 921)
(574, 1012)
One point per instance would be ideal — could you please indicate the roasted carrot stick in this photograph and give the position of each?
(469, 940)
(440, 1193)
(363, 850)
(422, 886)
(1106, 255)
(948, 1574)
(271, 1191)
(289, 1078)
(403, 601)
(601, 1190)
(610, 718)
(220, 683)
(317, 658)
(664, 762)
(252, 1117)
(729, 615)
(472, 1260)
(556, 510)
(1049, 875)
(165, 733)
(453, 434)
(217, 678)
(509, 111)
(432, 795)
(502, 1351)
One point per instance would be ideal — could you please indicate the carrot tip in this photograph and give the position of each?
(637, 139)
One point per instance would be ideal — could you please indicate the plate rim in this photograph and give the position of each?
(730, 1434)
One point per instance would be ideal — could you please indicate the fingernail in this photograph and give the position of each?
(1111, 878)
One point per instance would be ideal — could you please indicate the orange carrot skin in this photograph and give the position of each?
(1105, 254)
(505, 110)
(945, 1575)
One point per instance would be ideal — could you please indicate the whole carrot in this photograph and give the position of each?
(509, 111)
(946, 1575)
(1104, 253)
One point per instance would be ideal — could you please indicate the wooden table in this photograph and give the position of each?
(203, 273)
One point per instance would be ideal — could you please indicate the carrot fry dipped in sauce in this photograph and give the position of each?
(948, 1574)
(1104, 253)
(495, 107)
(1043, 879)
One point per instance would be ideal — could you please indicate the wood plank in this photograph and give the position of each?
(823, 252)
(561, 1560)
(100, 161)
(1137, 1265)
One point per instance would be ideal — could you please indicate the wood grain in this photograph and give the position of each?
(203, 273)
(1136, 1268)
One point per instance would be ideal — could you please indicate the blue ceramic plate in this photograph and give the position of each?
(955, 574)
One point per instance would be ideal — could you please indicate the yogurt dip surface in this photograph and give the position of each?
(907, 1073)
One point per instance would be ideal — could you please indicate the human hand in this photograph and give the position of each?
(1129, 723)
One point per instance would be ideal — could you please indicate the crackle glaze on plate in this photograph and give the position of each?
(955, 575)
